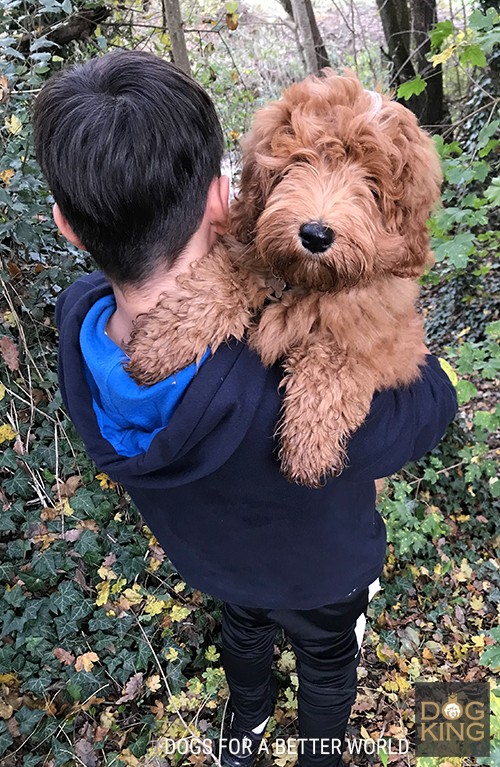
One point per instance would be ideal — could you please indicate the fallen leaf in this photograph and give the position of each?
(6, 710)
(86, 661)
(287, 662)
(477, 603)
(68, 488)
(4, 89)
(6, 433)
(5, 177)
(71, 535)
(13, 124)
(132, 688)
(153, 682)
(9, 353)
(86, 752)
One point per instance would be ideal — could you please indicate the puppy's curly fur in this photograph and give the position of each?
(342, 319)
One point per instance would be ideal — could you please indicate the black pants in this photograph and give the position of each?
(327, 652)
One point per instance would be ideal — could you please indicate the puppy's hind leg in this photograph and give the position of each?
(327, 397)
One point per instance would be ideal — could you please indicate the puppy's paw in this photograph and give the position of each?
(326, 399)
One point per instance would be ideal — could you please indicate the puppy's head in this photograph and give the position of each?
(337, 185)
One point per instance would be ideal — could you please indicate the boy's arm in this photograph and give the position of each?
(403, 425)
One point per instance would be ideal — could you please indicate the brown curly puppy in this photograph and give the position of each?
(328, 234)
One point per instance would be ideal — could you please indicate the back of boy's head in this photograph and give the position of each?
(129, 145)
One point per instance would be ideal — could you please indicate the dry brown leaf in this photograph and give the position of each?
(132, 688)
(232, 21)
(198, 759)
(85, 751)
(71, 535)
(68, 488)
(13, 269)
(9, 353)
(18, 446)
(13, 727)
(158, 709)
(89, 524)
(109, 560)
(64, 656)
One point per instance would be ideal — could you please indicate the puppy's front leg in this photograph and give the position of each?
(327, 397)
(210, 303)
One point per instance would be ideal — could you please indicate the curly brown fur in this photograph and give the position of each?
(205, 311)
(346, 324)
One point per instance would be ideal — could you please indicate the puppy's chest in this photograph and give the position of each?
(379, 310)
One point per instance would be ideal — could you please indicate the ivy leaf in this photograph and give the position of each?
(411, 88)
(6, 739)
(28, 718)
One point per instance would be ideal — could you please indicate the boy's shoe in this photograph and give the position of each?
(242, 745)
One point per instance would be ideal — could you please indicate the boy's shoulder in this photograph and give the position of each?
(84, 285)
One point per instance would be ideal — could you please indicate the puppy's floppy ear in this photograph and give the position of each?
(414, 189)
(255, 185)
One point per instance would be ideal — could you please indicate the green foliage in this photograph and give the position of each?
(102, 647)
(470, 49)
(491, 656)
(412, 88)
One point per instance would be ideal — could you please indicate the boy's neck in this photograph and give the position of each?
(130, 303)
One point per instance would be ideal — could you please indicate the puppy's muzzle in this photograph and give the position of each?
(316, 237)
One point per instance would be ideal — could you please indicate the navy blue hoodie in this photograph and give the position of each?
(209, 485)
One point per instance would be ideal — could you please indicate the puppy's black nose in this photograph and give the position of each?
(316, 237)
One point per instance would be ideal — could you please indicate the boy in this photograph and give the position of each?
(131, 148)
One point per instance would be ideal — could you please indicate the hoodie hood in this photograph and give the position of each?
(206, 426)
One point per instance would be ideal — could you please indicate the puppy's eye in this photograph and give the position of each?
(373, 186)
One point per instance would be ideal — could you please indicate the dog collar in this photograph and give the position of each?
(276, 286)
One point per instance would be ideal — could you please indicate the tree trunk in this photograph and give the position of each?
(322, 59)
(173, 18)
(397, 32)
(431, 101)
(321, 54)
(406, 25)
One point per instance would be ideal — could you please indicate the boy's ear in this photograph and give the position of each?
(218, 203)
(64, 227)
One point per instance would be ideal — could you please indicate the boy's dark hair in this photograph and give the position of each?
(129, 145)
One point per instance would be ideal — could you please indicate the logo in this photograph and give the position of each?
(452, 719)
(452, 710)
